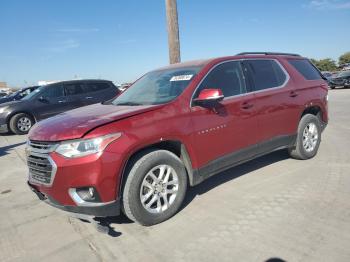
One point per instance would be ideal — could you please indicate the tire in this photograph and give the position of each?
(306, 144)
(332, 87)
(21, 123)
(141, 183)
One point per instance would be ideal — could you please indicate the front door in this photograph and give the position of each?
(51, 101)
(227, 133)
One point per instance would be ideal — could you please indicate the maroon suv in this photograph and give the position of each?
(174, 128)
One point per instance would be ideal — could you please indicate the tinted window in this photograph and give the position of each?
(344, 74)
(52, 91)
(228, 77)
(266, 73)
(94, 87)
(74, 89)
(305, 68)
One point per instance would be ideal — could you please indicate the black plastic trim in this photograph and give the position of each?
(268, 53)
(238, 157)
(109, 209)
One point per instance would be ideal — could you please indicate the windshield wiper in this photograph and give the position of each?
(128, 104)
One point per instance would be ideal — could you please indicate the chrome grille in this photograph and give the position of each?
(41, 147)
(42, 168)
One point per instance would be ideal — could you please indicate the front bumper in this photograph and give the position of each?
(57, 180)
(100, 210)
(4, 128)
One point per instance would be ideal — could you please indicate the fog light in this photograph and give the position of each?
(88, 194)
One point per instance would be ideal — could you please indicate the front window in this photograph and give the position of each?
(48, 91)
(228, 77)
(158, 87)
(32, 94)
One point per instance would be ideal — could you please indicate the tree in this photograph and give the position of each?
(326, 64)
(344, 59)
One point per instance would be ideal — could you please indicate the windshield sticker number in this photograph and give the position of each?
(181, 78)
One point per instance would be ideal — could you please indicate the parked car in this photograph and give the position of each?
(174, 127)
(3, 94)
(341, 80)
(345, 67)
(49, 100)
(18, 95)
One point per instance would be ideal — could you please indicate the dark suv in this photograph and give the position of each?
(342, 79)
(174, 127)
(49, 100)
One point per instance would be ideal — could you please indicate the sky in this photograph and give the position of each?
(121, 40)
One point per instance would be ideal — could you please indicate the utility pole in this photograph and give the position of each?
(173, 31)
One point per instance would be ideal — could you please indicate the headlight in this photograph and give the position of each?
(84, 147)
(2, 109)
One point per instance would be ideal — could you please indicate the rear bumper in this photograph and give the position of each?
(96, 209)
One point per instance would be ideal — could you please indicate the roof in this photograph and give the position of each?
(80, 80)
(204, 62)
(186, 64)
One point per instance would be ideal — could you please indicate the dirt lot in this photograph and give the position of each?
(272, 207)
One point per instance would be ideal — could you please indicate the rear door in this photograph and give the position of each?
(75, 94)
(276, 105)
(97, 92)
(227, 133)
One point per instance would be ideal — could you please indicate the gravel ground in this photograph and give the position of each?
(272, 207)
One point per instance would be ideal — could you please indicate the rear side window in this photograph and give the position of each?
(304, 67)
(94, 87)
(266, 73)
(74, 89)
(228, 77)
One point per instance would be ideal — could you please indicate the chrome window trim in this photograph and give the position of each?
(247, 93)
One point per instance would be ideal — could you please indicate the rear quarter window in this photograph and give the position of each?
(304, 67)
(96, 86)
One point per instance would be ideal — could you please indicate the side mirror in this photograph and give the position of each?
(209, 97)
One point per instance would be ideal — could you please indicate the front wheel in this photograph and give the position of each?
(308, 138)
(20, 124)
(155, 187)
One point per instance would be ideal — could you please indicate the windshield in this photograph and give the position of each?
(342, 74)
(33, 93)
(158, 87)
(13, 94)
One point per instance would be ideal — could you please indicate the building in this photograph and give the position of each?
(4, 88)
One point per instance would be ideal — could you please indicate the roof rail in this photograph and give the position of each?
(266, 53)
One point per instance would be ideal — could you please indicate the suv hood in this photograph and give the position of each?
(76, 123)
(11, 102)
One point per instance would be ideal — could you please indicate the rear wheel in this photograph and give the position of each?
(308, 138)
(20, 124)
(155, 188)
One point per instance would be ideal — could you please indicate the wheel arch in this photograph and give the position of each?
(10, 116)
(20, 112)
(174, 146)
(313, 110)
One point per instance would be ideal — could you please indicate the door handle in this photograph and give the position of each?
(89, 97)
(246, 105)
(293, 94)
(61, 101)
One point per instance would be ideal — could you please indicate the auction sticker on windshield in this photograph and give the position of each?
(181, 78)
